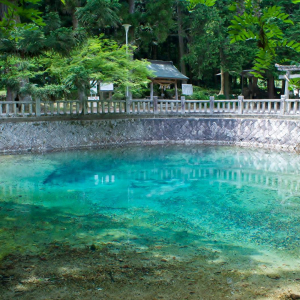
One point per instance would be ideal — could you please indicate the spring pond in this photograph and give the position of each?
(155, 222)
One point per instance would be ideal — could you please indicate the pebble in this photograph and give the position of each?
(163, 260)
(125, 267)
(274, 276)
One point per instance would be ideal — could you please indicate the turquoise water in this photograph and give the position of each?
(237, 201)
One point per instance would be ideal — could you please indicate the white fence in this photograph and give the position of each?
(238, 106)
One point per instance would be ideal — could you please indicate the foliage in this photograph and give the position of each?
(98, 59)
(99, 13)
(200, 95)
(263, 26)
(210, 46)
(20, 9)
(193, 3)
(52, 49)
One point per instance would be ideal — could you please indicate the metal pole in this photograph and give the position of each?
(126, 26)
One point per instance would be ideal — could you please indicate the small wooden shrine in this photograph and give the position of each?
(165, 74)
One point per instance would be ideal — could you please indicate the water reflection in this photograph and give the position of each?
(88, 169)
(178, 194)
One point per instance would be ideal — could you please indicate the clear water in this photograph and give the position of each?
(238, 202)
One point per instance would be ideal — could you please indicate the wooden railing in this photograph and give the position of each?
(156, 106)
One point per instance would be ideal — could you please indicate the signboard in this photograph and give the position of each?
(106, 87)
(93, 89)
(187, 89)
(93, 98)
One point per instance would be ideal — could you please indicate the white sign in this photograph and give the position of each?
(93, 98)
(187, 89)
(106, 87)
(93, 89)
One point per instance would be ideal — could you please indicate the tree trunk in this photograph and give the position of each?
(74, 19)
(24, 97)
(82, 98)
(131, 6)
(180, 40)
(10, 94)
(255, 88)
(271, 87)
(282, 87)
(154, 51)
(81, 93)
(225, 84)
(222, 90)
(3, 11)
(131, 11)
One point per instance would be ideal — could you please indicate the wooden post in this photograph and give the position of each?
(241, 105)
(37, 107)
(155, 104)
(176, 90)
(282, 105)
(151, 91)
(286, 91)
(211, 104)
(182, 104)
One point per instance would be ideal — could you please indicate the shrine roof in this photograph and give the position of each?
(166, 70)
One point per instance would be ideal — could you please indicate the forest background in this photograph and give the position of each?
(53, 49)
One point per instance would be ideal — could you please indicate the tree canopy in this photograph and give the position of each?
(55, 48)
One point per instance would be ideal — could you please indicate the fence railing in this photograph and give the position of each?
(238, 106)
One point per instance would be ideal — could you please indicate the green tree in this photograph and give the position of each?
(12, 11)
(98, 60)
(210, 49)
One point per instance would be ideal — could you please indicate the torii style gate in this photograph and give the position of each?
(287, 76)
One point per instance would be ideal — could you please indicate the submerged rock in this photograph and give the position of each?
(274, 276)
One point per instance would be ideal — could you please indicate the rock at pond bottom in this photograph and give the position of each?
(294, 296)
(274, 276)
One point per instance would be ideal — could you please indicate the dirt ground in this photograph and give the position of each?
(120, 272)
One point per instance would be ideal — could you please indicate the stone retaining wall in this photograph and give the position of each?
(68, 134)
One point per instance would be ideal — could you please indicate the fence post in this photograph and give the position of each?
(241, 105)
(182, 104)
(282, 105)
(211, 104)
(128, 105)
(38, 107)
(155, 98)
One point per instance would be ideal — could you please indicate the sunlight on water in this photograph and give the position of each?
(238, 201)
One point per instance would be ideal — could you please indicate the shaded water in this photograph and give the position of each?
(238, 202)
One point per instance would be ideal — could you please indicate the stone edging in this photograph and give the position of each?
(36, 136)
